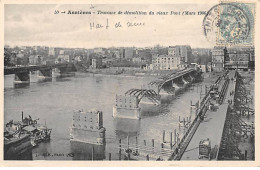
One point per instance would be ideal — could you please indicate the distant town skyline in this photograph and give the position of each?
(145, 47)
(37, 25)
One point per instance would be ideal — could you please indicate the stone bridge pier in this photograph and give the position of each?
(45, 74)
(135, 102)
(178, 84)
(186, 79)
(126, 107)
(167, 89)
(22, 79)
(182, 82)
(66, 70)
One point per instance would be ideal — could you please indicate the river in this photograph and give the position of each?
(53, 102)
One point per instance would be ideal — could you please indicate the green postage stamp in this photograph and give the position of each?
(230, 23)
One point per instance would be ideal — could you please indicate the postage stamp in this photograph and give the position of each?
(230, 23)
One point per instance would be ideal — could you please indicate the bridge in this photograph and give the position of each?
(148, 98)
(22, 74)
(208, 124)
(140, 93)
(172, 83)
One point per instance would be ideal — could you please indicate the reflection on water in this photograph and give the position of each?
(62, 79)
(27, 155)
(21, 85)
(85, 151)
(126, 127)
(64, 75)
(44, 79)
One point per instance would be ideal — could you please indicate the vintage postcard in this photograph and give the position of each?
(133, 83)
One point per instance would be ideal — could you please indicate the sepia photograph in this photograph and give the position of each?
(129, 81)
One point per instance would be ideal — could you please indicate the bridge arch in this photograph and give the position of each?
(140, 93)
(159, 83)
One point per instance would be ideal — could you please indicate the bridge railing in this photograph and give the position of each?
(179, 149)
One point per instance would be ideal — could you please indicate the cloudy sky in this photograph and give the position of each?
(37, 24)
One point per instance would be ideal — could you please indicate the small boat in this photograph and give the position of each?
(16, 141)
(38, 132)
(21, 136)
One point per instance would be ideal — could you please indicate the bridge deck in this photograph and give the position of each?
(211, 127)
(171, 76)
(15, 70)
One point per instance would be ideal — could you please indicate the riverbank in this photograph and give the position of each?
(129, 71)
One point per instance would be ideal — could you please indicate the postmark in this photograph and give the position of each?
(230, 24)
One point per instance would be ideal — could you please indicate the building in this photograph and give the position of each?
(238, 59)
(116, 54)
(20, 55)
(61, 52)
(122, 53)
(37, 48)
(51, 51)
(171, 50)
(232, 58)
(209, 67)
(129, 53)
(218, 59)
(183, 65)
(78, 58)
(57, 51)
(166, 62)
(203, 68)
(109, 61)
(159, 50)
(201, 52)
(63, 59)
(100, 51)
(35, 60)
(139, 60)
(96, 63)
(144, 53)
(183, 51)
(148, 67)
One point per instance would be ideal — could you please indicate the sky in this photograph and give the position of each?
(36, 24)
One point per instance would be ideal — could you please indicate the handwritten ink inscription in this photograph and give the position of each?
(119, 24)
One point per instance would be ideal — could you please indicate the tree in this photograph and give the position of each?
(7, 58)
